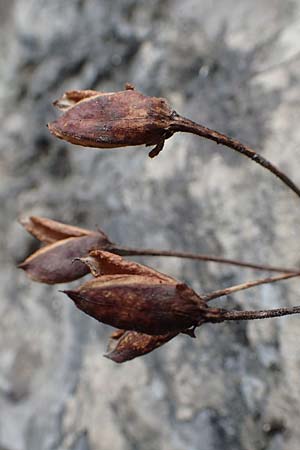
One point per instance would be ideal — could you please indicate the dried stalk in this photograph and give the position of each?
(246, 285)
(183, 124)
(128, 251)
(252, 315)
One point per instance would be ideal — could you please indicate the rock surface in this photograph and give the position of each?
(219, 62)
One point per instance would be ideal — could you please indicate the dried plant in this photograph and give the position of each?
(54, 262)
(125, 118)
(147, 307)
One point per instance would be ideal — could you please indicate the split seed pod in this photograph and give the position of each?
(114, 119)
(131, 296)
(54, 263)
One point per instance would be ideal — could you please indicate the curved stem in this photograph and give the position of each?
(127, 251)
(186, 125)
(246, 285)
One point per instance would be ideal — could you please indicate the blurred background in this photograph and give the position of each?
(230, 65)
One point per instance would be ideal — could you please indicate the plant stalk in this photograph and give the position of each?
(252, 315)
(127, 251)
(186, 125)
(246, 285)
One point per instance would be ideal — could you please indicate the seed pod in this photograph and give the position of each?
(139, 303)
(126, 345)
(115, 119)
(141, 286)
(55, 263)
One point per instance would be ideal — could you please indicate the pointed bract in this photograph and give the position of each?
(101, 262)
(48, 230)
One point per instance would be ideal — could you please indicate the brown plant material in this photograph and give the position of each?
(149, 307)
(248, 284)
(133, 297)
(49, 231)
(105, 263)
(127, 345)
(54, 263)
(140, 303)
(127, 251)
(114, 119)
(125, 118)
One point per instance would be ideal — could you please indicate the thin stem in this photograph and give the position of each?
(247, 285)
(126, 251)
(252, 315)
(183, 124)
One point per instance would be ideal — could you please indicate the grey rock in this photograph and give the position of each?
(233, 385)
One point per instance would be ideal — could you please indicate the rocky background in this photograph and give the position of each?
(227, 64)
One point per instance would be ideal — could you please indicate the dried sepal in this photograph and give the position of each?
(113, 119)
(101, 262)
(48, 230)
(126, 345)
(70, 98)
(55, 263)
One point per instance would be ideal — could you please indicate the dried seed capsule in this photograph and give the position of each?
(139, 303)
(55, 263)
(109, 120)
(124, 289)
(126, 345)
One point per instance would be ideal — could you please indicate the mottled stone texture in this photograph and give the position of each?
(237, 386)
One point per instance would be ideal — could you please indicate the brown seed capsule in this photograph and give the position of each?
(55, 263)
(134, 297)
(110, 120)
(126, 345)
(140, 303)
